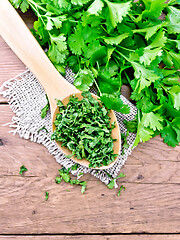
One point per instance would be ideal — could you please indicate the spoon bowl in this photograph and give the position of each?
(22, 42)
(115, 134)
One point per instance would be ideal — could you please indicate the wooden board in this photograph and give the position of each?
(149, 205)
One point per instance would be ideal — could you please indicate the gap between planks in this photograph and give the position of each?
(92, 237)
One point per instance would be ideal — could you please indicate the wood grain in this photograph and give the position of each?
(94, 237)
(150, 162)
(141, 208)
(150, 203)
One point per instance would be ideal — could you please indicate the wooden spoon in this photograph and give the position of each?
(22, 42)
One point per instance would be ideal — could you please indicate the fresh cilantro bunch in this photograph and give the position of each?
(110, 43)
(84, 128)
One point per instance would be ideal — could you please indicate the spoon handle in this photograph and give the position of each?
(22, 42)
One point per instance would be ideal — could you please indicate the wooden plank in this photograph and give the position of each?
(150, 162)
(93, 237)
(151, 206)
(148, 208)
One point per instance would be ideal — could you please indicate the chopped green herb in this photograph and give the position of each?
(67, 190)
(58, 180)
(84, 128)
(75, 167)
(131, 125)
(22, 169)
(121, 175)
(120, 190)
(112, 182)
(45, 109)
(80, 174)
(43, 128)
(124, 138)
(83, 188)
(47, 196)
(65, 175)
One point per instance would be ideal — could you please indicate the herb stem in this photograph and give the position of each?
(37, 6)
(127, 49)
(122, 55)
(98, 87)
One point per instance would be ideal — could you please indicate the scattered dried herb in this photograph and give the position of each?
(47, 196)
(112, 182)
(120, 190)
(43, 128)
(45, 109)
(65, 175)
(22, 169)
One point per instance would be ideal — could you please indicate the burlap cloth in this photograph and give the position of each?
(26, 98)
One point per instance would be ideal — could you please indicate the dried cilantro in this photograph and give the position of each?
(45, 109)
(122, 187)
(65, 175)
(84, 128)
(112, 182)
(47, 196)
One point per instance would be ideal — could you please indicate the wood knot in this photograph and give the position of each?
(1, 142)
(140, 176)
(33, 212)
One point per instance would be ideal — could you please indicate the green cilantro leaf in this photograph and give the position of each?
(173, 18)
(79, 2)
(117, 11)
(175, 95)
(84, 80)
(24, 6)
(76, 41)
(109, 43)
(60, 42)
(169, 134)
(145, 76)
(116, 40)
(152, 120)
(114, 102)
(55, 55)
(150, 31)
(63, 4)
(96, 7)
(154, 49)
(131, 125)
